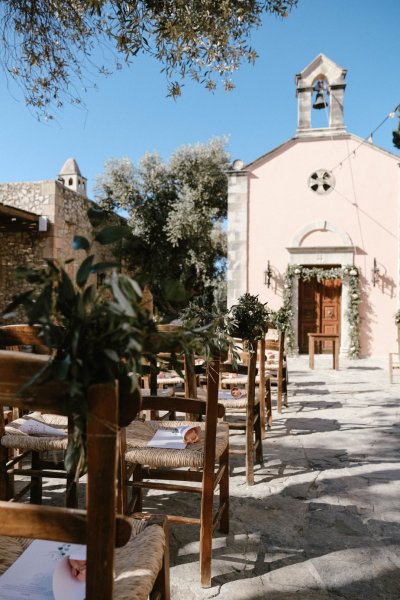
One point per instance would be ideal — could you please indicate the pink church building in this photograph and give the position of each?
(323, 200)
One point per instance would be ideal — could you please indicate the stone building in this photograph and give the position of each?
(325, 199)
(38, 220)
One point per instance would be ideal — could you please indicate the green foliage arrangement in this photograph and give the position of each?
(95, 334)
(250, 318)
(396, 132)
(397, 317)
(216, 322)
(350, 274)
(280, 319)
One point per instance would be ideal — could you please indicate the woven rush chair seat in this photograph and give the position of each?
(170, 379)
(232, 379)
(226, 399)
(139, 433)
(137, 564)
(14, 438)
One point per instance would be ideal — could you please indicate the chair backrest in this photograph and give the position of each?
(275, 342)
(22, 337)
(192, 406)
(19, 337)
(247, 367)
(98, 527)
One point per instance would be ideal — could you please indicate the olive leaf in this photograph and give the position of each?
(111, 234)
(80, 243)
(84, 271)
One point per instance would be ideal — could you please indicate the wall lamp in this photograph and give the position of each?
(375, 273)
(268, 275)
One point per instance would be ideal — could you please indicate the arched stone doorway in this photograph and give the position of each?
(321, 244)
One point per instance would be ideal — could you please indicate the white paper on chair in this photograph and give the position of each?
(172, 438)
(32, 427)
(36, 574)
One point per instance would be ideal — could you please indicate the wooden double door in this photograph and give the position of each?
(319, 311)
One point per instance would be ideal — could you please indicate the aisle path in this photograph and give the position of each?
(322, 521)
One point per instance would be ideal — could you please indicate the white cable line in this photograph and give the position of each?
(389, 116)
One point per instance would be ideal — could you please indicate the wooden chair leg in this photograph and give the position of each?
(284, 389)
(250, 444)
(135, 504)
(268, 402)
(263, 399)
(122, 481)
(4, 478)
(36, 486)
(206, 529)
(258, 433)
(71, 500)
(390, 369)
(279, 399)
(224, 492)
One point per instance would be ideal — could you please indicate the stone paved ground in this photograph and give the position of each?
(323, 518)
(322, 521)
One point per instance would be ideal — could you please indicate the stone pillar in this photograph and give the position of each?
(336, 113)
(237, 233)
(304, 96)
(295, 310)
(344, 322)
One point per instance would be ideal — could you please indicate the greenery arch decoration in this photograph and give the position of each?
(348, 273)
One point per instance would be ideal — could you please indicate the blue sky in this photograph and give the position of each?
(129, 114)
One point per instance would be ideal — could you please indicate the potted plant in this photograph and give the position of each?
(280, 319)
(249, 319)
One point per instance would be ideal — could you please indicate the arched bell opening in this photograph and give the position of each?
(320, 102)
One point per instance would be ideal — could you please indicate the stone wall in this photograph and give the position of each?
(35, 196)
(23, 245)
(24, 248)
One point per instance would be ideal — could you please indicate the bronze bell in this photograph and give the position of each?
(320, 101)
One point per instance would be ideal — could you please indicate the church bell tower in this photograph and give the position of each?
(321, 86)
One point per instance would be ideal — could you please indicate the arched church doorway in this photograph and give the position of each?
(319, 310)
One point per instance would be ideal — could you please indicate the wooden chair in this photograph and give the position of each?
(139, 566)
(165, 385)
(45, 453)
(394, 358)
(272, 355)
(394, 364)
(16, 446)
(205, 463)
(249, 403)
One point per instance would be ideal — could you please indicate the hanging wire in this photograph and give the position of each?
(366, 140)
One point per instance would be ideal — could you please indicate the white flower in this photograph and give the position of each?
(353, 272)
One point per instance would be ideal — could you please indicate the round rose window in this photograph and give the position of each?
(321, 181)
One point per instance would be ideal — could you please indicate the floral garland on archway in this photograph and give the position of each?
(348, 273)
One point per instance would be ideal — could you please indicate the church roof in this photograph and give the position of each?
(70, 167)
(295, 140)
(321, 65)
